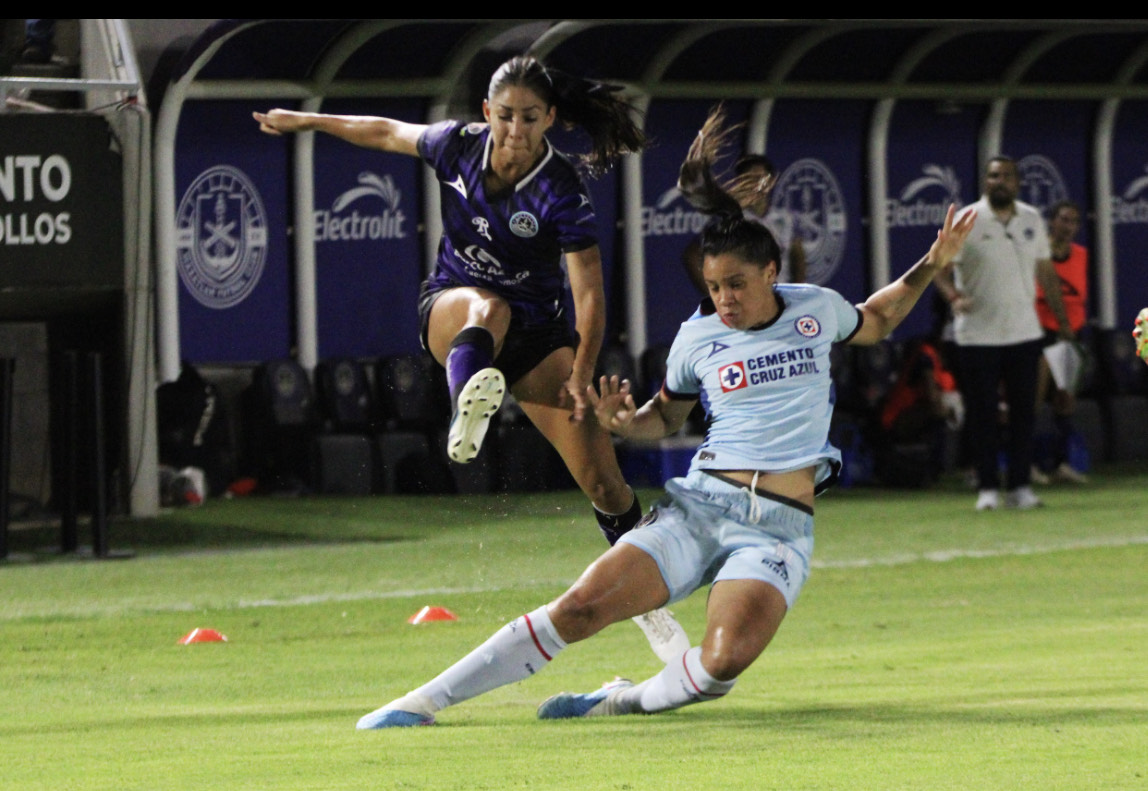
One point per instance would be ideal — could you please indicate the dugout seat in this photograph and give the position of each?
(413, 413)
(280, 422)
(345, 449)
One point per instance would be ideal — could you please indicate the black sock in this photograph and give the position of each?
(614, 526)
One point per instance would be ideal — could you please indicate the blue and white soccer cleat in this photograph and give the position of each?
(478, 400)
(567, 705)
(396, 714)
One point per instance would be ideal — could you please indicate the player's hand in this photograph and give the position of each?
(1140, 334)
(950, 238)
(615, 407)
(961, 304)
(280, 122)
(573, 395)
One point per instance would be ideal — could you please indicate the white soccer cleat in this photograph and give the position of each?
(1065, 472)
(478, 400)
(988, 500)
(1022, 498)
(667, 637)
(567, 705)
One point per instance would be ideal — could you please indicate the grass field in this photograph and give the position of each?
(933, 648)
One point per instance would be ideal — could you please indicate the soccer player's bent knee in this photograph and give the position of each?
(575, 617)
(726, 664)
(490, 312)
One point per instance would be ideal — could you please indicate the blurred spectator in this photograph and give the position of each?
(1070, 261)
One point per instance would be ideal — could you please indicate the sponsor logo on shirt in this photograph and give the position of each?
(732, 377)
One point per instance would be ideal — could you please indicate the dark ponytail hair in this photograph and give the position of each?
(593, 106)
(727, 230)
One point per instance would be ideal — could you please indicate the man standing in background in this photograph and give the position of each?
(991, 288)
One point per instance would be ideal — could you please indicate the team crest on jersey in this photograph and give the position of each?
(808, 326)
(732, 377)
(524, 224)
(221, 237)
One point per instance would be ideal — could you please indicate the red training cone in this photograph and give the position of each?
(432, 614)
(202, 636)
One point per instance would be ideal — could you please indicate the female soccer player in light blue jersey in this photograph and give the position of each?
(492, 311)
(741, 520)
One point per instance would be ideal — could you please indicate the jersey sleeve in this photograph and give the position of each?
(847, 315)
(434, 144)
(573, 218)
(681, 379)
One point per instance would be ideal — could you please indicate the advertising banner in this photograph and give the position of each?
(1130, 210)
(932, 162)
(669, 223)
(818, 148)
(61, 203)
(232, 246)
(368, 249)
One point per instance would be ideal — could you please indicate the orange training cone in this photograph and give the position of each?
(427, 614)
(202, 636)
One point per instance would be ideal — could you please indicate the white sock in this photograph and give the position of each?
(516, 651)
(681, 682)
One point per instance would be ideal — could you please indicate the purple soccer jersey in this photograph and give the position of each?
(512, 244)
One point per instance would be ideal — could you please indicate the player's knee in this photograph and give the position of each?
(726, 662)
(577, 616)
(493, 313)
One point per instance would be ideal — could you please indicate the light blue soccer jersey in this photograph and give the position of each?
(767, 389)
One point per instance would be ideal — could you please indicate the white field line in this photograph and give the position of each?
(937, 556)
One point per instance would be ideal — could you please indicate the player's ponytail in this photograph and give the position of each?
(727, 230)
(594, 106)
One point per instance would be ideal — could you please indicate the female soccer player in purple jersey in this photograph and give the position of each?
(741, 521)
(492, 311)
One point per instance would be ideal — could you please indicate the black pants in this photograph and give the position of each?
(983, 369)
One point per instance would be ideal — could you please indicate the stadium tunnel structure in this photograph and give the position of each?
(304, 246)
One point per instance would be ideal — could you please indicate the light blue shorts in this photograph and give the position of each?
(702, 531)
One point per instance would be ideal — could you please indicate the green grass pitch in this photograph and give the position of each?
(933, 648)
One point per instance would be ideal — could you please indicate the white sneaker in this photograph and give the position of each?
(667, 637)
(1023, 499)
(987, 500)
(1037, 476)
(478, 400)
(1065, 472)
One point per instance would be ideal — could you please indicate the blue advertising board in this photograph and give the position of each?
(669, 223)
(932, 162)
(232, 247)
(368, 249)
(818, 148)
(1129, 203)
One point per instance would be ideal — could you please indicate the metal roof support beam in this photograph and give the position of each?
(880, 255)
(1104, 259)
